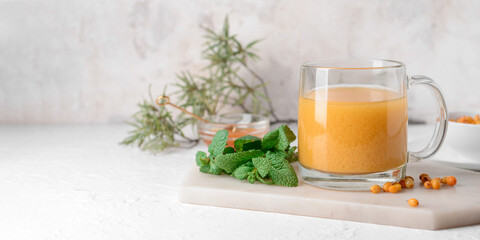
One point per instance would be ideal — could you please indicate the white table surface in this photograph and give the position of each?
(77, 182)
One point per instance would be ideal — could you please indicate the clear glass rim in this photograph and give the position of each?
(262, 121)
(336, 64)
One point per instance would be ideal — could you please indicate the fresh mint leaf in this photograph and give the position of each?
(201, 158)
(270, 139)
(238, 144)
(281, 172)
(263, 165)
(251, 177)
(287, 133)
(277, 158)
(252, 145)
(291, 156)
(228, 150)
(284, 176)
(214, 169)
(210, 167)
(279, 138)
(219, 142)
(263, 180)
(205, 168)
(241, 172)
(249, 163)
(253, 159)
(249, 137)
(230, 162)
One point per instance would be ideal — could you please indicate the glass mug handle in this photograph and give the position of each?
(440, 125)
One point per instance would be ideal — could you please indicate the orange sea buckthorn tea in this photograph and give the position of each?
(352, 130)
(352, 123)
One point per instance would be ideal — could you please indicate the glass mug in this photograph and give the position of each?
(352, 123)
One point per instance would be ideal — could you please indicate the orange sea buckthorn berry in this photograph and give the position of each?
(375, 189)
(409, 177)
(386, 186)
(393, 189)
(436, 183)
(451, 180)
(413, 202)
(444, 180)
(427, 184)
(402, 183)
(399, 187)
(424, 177)
(477, 119)
(409, 183)
(466, 119)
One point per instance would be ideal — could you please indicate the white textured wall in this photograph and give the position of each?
(92, 60)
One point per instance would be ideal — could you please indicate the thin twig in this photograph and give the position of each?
(243, 107)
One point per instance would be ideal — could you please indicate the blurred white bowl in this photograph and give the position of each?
(464, 138)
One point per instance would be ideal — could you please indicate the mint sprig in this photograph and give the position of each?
(265, 160)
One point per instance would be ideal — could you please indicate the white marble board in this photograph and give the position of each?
(439, 209)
